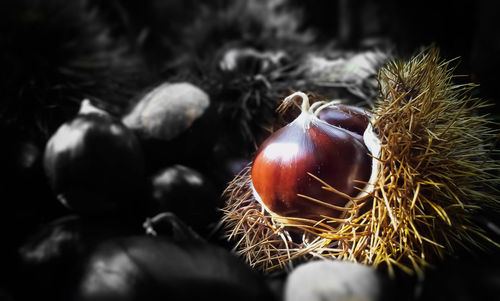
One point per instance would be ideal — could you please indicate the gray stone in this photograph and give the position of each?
(167, 111)
(333, 281)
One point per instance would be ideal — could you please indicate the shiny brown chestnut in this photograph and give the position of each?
(289, 163)
(350, 118)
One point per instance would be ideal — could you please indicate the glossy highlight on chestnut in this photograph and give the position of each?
(287, 164)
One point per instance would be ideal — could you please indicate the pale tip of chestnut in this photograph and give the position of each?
(86, 107)
(305, 100)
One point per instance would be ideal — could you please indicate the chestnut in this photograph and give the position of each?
(292, 166)
(94, 163)
(158, 268)
(350, 118)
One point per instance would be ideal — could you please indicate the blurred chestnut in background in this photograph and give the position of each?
(94, 163)
(187, 193)
(156, 268)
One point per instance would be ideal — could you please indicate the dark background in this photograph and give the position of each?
(53, 54)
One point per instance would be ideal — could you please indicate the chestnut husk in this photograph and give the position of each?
(435, 177)
(248, 60)
(95, 164)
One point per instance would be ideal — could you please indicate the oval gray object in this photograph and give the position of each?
(332, 281)
(167, 110)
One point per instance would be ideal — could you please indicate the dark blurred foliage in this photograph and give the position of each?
(189, 33)
(54, 54)
(463, 29)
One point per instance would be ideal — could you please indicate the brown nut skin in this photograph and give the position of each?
(350, 118)
(280, 170)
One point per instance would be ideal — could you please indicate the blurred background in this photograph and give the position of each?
(244, 56)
